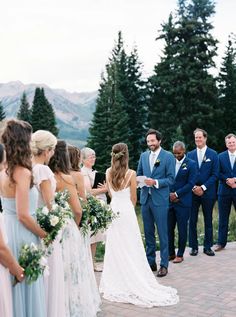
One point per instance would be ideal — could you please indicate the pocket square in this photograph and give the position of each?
(208, 160)
(184, 168)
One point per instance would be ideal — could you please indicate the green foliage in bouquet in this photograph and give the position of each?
(52, 221)
(32, 260)
(96, 216)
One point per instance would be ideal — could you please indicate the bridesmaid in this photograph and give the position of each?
(75, 172)
(7, 263)
(19, 201)
(82, 296)
(42, 145)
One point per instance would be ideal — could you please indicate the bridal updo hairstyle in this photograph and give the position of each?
(42, 140)
(119, 164)
(60, 161)
(16, 138)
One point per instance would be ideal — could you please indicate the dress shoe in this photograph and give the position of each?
(193, 252)
(218, 248)
(178, 259)
(172, 257)
(208, 252)
(162, 271)
(153, 267)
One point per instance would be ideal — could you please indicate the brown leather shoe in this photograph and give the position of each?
(162, 271)
(178, 259)
(218, 248)
(172, 257)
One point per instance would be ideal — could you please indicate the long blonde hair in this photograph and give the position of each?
(119, 164)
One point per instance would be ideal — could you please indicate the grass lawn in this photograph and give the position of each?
(231, 232)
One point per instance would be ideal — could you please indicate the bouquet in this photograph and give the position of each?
(96, 216)
(52, 221)
(32, 259)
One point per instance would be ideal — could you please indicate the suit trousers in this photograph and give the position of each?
(180, 216)
(207, 208)
(224, 204)
(152, 215)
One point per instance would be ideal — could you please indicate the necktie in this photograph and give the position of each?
(232, 160)
(200, 158)
(152, 160)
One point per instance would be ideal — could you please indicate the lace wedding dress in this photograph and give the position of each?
(126, 276)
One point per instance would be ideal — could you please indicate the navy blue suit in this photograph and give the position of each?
(226, 196)
(179, 211)
(207, 175)
(155, 203)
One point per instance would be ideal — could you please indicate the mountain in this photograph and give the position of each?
(73, 110)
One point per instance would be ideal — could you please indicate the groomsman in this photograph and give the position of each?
(226, 189)
(180, 200)
(204, 191)
(158, 168)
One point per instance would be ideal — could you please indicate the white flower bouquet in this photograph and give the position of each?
(32, 259)
(53, 220)
(96, 216)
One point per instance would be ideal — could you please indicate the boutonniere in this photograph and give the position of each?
(157, 163)
(184, 166)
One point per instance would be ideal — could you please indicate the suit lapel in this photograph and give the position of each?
(184, 161)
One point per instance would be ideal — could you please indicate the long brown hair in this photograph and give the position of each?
(60, 161)
(119, 164)
(16, 138)
(74, 154)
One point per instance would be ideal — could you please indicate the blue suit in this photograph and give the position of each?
(226, 196)
(155, 203)
(179, 211)
(207, 175)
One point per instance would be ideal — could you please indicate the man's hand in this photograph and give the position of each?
(150, 182)
(230, 182)
(173, 198)
(197, 190)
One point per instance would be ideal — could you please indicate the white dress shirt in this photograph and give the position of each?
(151, 159)
(232, 158)
(200, 155)
(178, 164)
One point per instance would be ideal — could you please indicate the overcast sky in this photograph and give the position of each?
(66, 43)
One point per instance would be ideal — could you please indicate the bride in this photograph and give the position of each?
(127, 276)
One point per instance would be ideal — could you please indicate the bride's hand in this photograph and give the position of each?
(102, 187)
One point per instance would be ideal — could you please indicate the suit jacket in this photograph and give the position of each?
(226, 171)
(208, 172)
(184, 182)
(164, 173)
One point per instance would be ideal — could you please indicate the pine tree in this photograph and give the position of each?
(2, 112)
(120, 110)
(227, 90)
(24, 112)
(43, 116)
(184, 91)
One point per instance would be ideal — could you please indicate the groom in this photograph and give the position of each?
(158, 166)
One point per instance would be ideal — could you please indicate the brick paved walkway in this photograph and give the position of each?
(206, 286)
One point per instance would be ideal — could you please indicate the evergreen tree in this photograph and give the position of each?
(119, 114)
(24, 112)
(43, 116)
(227, 90)
(2, 112)
(184, 91)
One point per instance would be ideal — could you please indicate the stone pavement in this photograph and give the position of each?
(206, 287)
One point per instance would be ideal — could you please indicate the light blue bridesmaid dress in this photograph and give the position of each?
(28, 299)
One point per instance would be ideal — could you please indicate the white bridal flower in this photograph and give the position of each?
(45, 211)
(54, 220)
(43, 261)
(33, 246)
(54, 206)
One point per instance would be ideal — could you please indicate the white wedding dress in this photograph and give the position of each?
(126, 276)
